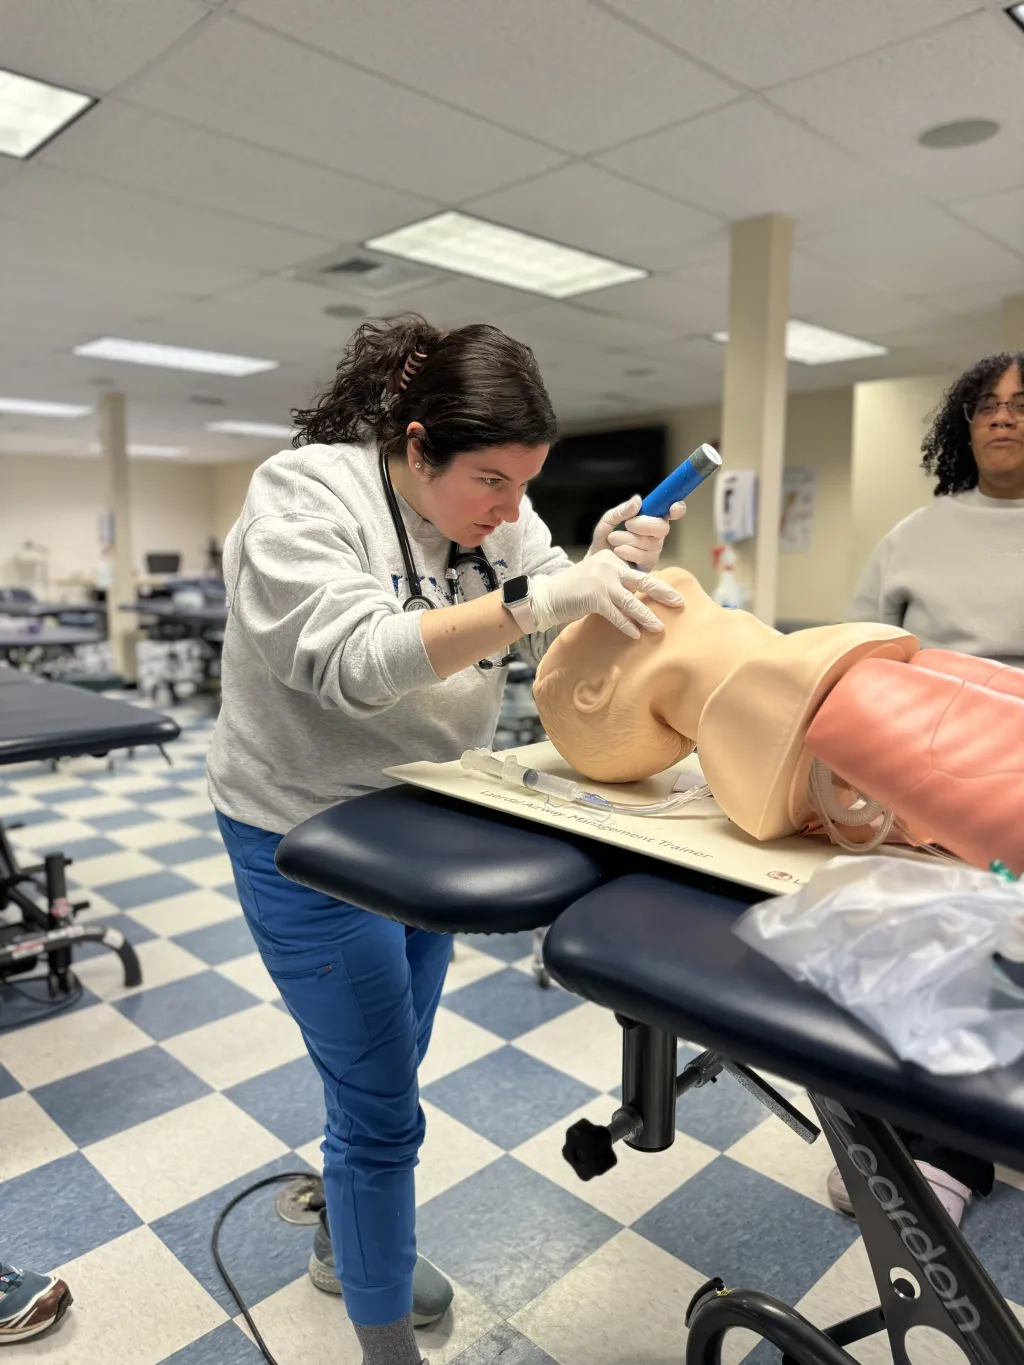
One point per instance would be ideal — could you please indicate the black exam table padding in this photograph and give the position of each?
(663, 954)
(41, 720)
(438, 864)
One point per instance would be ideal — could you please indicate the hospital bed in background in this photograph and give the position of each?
(653, 942)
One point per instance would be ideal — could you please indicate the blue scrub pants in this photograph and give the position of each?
(364, 992)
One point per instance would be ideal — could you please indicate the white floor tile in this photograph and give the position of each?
(776, 1151)
(88, 807)
(59, 1047)
(450, 1153)
(312, 1155)
(43, 784)
(161, 961)
(246, 1044)
(191, 910)
(250, 973)
(469, 965)
(169, 1161)
(468, 1320)
(455, 1042)
(184, 807)
(125, 784)
(212, 871)
(52, 835)
(153, 834)
(624, 1303)
(14, 805)
(114, 867)
(135, 1304)
(635, 1185)
(28, 1137)
(585, 1042)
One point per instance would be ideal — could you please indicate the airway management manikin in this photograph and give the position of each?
(378, 576)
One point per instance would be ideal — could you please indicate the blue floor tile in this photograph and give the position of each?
(60, 1211)
(94, 1104)
(153, 886)
(225, 1345)
(123, 819)
(8, 1085)
(509, 1003)
(288, 1101)
(31, 817)
(79, 793)
(262, 1252)
(207, 822)
(503, 1345)
(508, 1234)
(228, 889)
(508, 1096)
(95, 847)
(153, 796)
(718, 1114)
(165, 1011)
(993, 1227)
(28, 1002)
(133, 931)
(186, 850)
(506, 947)
(218, 943)
(730, 1221)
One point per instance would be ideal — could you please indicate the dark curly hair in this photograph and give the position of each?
(472, 388)
(947, 451)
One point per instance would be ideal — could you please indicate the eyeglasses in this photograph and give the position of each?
(990, 405)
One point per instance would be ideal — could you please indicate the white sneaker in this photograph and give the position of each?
(953, 1196)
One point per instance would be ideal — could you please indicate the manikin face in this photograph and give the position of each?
(476, 493)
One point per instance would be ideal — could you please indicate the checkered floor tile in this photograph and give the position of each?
(127, 1123)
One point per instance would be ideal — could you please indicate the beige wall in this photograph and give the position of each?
(230, 485)
(887, 483)
(57, 501)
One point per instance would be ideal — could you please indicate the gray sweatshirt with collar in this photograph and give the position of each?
(952, 573)
(325, 680)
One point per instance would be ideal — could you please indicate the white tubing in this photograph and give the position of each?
(834, 814)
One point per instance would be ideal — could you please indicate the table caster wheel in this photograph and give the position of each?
(543, 977)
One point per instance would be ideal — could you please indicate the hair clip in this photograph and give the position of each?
(413, 364)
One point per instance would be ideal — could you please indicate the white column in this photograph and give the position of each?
(122, 625)
(754, 400)
(1013, 323)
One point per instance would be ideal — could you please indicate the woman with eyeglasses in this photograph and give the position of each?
(952, 573)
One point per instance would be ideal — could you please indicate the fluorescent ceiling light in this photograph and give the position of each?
(268, 429)
(1016, 13)
(487, 251)
(810, 345)
(32, 112)
(28, 407)
(174, 357)
(145, 448)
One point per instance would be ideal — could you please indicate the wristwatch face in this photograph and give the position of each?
(515, 590)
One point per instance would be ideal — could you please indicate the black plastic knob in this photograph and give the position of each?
(588, 1149)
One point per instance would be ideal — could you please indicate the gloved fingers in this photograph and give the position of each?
(677, 510)
(620, 621)
(638, 611)
(641, 551)
(612, 518)
(655, 588)
(650, 528)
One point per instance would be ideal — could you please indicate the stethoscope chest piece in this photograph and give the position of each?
(417, 604)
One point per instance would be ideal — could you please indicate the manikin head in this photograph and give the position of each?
(619, 710)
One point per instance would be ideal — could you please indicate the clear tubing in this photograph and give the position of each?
(510, 771)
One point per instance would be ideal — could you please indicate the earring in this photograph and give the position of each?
(418, 465)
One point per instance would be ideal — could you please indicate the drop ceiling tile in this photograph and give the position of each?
(679, 308)
(918, 252)
(325, 111)
(569, 74)
(742, 161)
(763, 42)
(560, 322)
(876, 321)
(178, 160)
(91, 47)
(117, 214)
(815, 285)
(878, 105)
(214, 324)
(999, 215)
(586, 206)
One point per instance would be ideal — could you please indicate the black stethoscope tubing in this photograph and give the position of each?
(416, 600)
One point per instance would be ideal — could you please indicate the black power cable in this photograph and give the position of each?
(215, 1248)
(46, 1011)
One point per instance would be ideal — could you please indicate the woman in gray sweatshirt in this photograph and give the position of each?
(952, 574)
(328, 677)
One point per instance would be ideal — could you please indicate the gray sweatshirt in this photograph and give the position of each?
(952, 573)
(325, 680)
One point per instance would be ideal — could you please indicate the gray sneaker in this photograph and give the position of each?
(431, 1293)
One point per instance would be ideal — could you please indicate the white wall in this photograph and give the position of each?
(56, 501)
(890, 417)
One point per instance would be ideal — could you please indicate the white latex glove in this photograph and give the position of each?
(603, 584)
(641, 540)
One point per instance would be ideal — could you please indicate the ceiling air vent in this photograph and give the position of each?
(367, 276)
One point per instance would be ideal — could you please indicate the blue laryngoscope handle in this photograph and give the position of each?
(704, 462)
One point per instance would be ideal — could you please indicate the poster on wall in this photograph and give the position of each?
(796, 526)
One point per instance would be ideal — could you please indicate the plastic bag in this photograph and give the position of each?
(907, 947)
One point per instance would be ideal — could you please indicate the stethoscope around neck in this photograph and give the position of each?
(457, 559)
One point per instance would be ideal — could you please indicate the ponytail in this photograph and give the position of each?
(472, 388)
